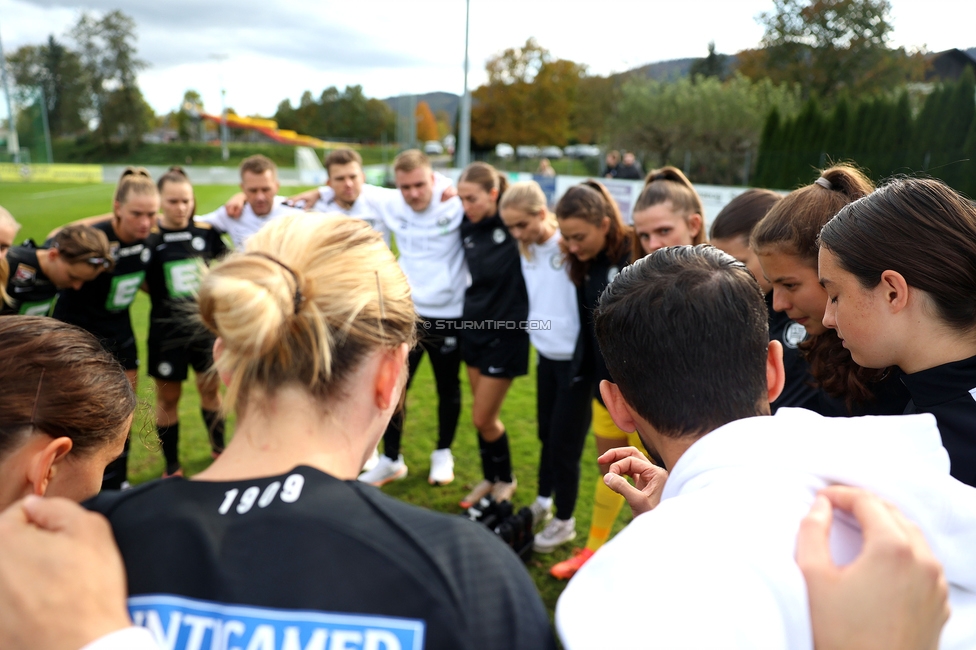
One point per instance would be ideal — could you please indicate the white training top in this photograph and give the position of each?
(554, 323)
(712, 566)
(366, 207)
(248, 223)
(431, 256)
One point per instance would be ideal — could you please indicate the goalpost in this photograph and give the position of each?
(310, 169)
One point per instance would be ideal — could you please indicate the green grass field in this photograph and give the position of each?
(41, 207)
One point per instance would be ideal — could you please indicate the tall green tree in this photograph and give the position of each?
(830, 46)
(530, 98)
(58, 72)
(838, 126)
(713, 65)
(719, 123)
(107, 50)
(767, 159)
(959, 114)
(969, 150)
(346, 114)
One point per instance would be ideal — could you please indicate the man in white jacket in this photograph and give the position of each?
(711, 564)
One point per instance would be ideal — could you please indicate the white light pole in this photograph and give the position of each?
(13, 145)
(464, 137)
(224, 152)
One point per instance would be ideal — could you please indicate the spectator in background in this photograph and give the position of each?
(545, 168)
(630, 169)
(613, 164)
(8, 231)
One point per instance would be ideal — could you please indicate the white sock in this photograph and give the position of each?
(545, 502)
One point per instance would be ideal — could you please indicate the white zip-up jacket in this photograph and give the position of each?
(713, 565)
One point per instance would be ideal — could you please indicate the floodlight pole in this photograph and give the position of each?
(47, 126)
(224, 152)
(13, 145)
(464, 137)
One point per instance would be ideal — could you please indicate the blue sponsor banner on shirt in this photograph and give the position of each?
(187, 624)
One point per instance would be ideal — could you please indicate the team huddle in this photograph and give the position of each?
(706, 367)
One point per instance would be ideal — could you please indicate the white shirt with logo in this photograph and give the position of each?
(366, 207)
(240, 230)
(553, 310)
(431, 255)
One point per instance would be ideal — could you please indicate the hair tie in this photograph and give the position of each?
(824, 183)
(299, 298)
(37, 396)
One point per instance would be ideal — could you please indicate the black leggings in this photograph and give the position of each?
(445, 358)
(563, 411)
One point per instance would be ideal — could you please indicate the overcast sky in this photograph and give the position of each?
(265, 51)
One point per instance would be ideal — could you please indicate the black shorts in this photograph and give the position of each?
(505, 356)
(173, 351)
(121, 346)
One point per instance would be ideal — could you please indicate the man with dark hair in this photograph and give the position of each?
(684, 335)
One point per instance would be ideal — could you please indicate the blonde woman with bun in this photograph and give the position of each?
(277, 540)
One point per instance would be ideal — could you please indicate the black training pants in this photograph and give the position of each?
(441, 346)
(563, 410)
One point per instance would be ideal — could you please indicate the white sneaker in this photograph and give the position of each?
(540, 514)
(557, 533)
(441, 467)
(386, 470)
(372, 461)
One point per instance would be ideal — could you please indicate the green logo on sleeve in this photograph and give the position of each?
(183, 277)
(39, 308)
(123, 290)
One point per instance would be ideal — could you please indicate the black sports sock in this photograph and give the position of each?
(487, 468)
(215, 428)
(501, 459)
(169, 437)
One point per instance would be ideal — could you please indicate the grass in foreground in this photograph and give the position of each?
(42, 207)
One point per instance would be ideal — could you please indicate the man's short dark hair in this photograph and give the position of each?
(258, 164)
(342, 156)
(684, 332)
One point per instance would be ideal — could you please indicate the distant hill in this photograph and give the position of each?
(661, 70)
(438, 101)
(971, 52)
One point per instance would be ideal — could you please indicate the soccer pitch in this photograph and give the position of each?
(41, 207)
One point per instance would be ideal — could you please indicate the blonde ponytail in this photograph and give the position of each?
(310, 297)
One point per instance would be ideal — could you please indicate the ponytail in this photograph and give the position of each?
(792, 227)
(308, 300)
(134, 180)
(794, 223)
(486, 176)
(670, 184)
(176, 174)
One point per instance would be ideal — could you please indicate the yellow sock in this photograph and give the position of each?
(606, 507)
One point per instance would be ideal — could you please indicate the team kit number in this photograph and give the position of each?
(123, 290)
(288, 492)
(183, 277)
